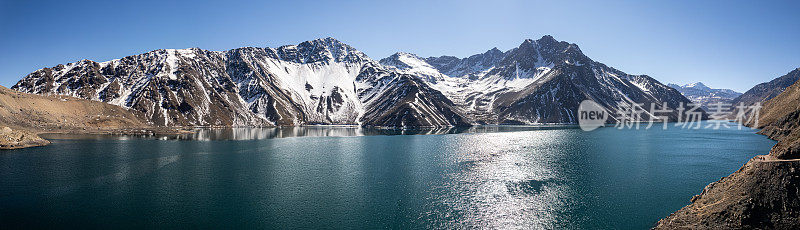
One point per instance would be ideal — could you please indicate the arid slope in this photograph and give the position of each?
(25, 115)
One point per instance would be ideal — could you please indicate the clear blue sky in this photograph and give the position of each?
(726, 44)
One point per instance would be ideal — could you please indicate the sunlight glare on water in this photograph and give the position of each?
(501, 183)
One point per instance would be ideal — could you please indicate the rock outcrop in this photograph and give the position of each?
(15, 139)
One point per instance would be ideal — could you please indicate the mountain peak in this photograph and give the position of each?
(705, 96)
(527, 42)
(545, 51)
(328, 41)
(696, 85)
(494, 51)
(401, 60)
(321, 49)
(405, 54)
(547, 38)
(549, 41)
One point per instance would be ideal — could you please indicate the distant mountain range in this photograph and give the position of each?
(325, 81)
(704, 95)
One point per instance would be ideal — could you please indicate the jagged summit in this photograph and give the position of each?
(320, 50)
(548, 38)
(466, 67)
(531, 53)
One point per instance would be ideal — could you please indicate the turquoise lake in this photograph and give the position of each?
(343, 177)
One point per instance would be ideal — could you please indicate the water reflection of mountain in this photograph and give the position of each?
(342, 131)
(252, 133)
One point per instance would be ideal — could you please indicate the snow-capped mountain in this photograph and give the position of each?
(325, 81)
(700, 93)
(541, 81)
(322, 81)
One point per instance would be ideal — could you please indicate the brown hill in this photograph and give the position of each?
(24, 115)
(61, 113)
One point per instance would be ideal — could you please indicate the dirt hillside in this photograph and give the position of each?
(24, 115)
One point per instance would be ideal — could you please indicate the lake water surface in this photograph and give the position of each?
(343, 177)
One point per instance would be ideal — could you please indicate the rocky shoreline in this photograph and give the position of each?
(18, 138)
(763, 194)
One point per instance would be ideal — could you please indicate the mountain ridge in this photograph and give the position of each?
(767, 90)
(706, 96)
(518, 87)
(325, 81)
